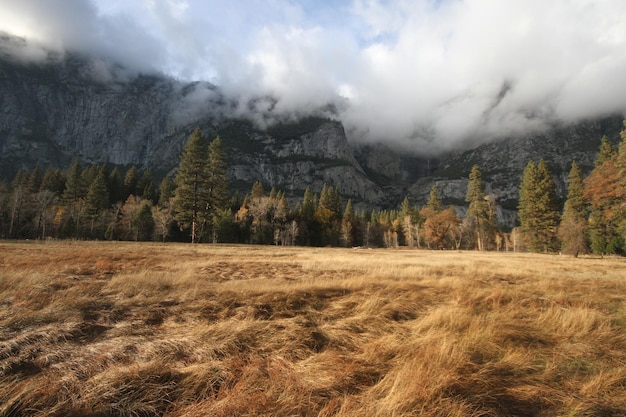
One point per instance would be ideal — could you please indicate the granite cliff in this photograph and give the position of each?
(54, 110)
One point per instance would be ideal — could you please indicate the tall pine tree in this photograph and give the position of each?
(193, 188)
(218, 181)
(572, 229)
(538, 207)
(479, 213)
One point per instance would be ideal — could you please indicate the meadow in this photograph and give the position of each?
(147, 329)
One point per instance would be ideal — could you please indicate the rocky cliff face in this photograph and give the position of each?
(54, 111)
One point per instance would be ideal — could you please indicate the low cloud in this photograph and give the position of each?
(427, 75)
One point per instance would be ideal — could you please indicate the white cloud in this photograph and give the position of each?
(427, 74)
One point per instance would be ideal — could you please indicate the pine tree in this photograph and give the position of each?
(131, 180)
(347, 225)
(479, 212)
(257, 190)
(145, 186)
(143, 222)
(74, 187)
(116, 186)
(434, 201)
(606, 151)
(192, 198)
(54, 181)
(97, 199)
(572, 229)
(538, 207)
(217, 176)
(166, 192)
(35, 179)
(605, 191)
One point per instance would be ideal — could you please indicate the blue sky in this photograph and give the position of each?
(424, 74)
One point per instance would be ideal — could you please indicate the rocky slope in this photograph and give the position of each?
(55, 110)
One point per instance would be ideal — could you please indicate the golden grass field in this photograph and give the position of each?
(146, 329)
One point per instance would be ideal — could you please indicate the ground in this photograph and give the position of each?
(146, 329)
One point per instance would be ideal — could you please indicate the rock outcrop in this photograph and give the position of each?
(64, 107)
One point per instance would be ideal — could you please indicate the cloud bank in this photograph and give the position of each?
(426, 75)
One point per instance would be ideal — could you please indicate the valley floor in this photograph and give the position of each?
(146, 329)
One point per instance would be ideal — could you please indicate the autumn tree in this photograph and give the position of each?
(604, 189)
(440, 227)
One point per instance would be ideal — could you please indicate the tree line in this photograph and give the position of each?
(97, 202)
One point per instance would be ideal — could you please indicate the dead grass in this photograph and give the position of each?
(108, 329)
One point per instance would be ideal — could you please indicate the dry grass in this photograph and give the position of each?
(104, 329)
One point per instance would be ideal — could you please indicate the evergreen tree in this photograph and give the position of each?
(348, 225)
(131, 179)
(605, 191)
(606, 152)
(193, 188)
(166, 192)
(54, 181)
(479, 212)
(116, 186)
(74, 187)
(257, 190)
(143, 222)
(572, 228)
(97, 199)
(35, 180)
(434, 201)
(538, 207)
(217, 176)
(145, 186)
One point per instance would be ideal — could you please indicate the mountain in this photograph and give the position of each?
(53, 111)
(58, 108)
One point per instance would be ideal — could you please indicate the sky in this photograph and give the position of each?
(425, 75)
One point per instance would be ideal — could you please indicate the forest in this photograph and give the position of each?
(104, 202)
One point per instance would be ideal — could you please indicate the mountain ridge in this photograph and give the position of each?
(53, 111)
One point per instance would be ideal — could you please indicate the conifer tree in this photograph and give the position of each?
(606, 151)
(572, 229)
(166, 192)
(97, 199)
(35, 179)
(131, 179)
(605, 191)
(257, 190)
(347, 225)
(54, 181)
(143, 222)
(145, 186)
(218, 180)
(538, 207)
(74, 187)
(116, 186)
(434, 201)
(192, 198)
(479, 212)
